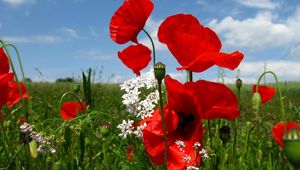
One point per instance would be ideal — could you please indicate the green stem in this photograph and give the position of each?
(236, 125)
(163, 124)
(19, 59)
(152, 43)
(189, 76)
(280, 95)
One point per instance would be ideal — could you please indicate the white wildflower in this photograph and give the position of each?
(138, 132)
(126, 128)
(187, 158)
(180, 145)
(204, 154)
(192, 168)
(41, 149)
(197, 145)
(52, 150)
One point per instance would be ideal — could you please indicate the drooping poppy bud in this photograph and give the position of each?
(159, 71)
(256, 100)
(224, 134)
(239, 83)
(292, 147)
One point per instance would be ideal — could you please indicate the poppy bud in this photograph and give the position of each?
(224, 134)
(159, 71)
(238, 83)
(292, 147)
(256, 100)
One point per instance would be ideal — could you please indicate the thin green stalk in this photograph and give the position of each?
(152, 43)
(189, 76)
(19, 59)
(236, 125)
(13, 157)
(280, 95)
(163, 124)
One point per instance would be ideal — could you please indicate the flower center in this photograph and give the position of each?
(184, 120)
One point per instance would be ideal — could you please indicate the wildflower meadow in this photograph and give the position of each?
(151, 121)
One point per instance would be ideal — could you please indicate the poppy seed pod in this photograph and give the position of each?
(292, 147)
(256, 100)
(239, 83)
(159, 71)
(224, 134)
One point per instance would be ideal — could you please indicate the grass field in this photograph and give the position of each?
(91, 141)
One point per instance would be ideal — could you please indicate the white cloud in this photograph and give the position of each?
(18, 2)
(180, 76)
(263, 31)
(250, 71)
(152, 28)
(296, 51)
(32, 39)
(92, 54)
(265, 4)
(69, 31)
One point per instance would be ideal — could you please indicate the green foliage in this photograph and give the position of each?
(91, 141)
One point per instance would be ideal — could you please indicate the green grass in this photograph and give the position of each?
(82, 144)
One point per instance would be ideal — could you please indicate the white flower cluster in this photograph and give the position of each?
(192, 168)
(44, 143)
(204, 154)
(135, 105)
(131, 99)
(127, 128)
(180, 145)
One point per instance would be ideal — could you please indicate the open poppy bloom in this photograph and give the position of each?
(136, 57)
(14, 94)
(187, 105)
(129, 20)
(70, 110)
(194, 46)
(5, 78)
(278, 131)
(266, 93)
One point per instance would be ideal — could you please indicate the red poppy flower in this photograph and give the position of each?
(187, 129)
(195, 47)
(215, 100)
(266, 93)
(4, 63)
(187, 104)
(22, 120)
(129, 152)
(136, 57)
(69, 110)
(278, 131)
(14, 93)
(129, 20)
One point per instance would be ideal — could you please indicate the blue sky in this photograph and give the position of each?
(61, 38)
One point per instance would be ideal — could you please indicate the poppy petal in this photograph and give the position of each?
(195, 47)
(14, 93)
(136, 57)
(206, 60)
(171, 23)
(278, 131)
(4, 63)
(216, 100)
(129, 20)
(266, 93)
(69, 110)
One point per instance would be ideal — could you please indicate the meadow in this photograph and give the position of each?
(91, 141)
